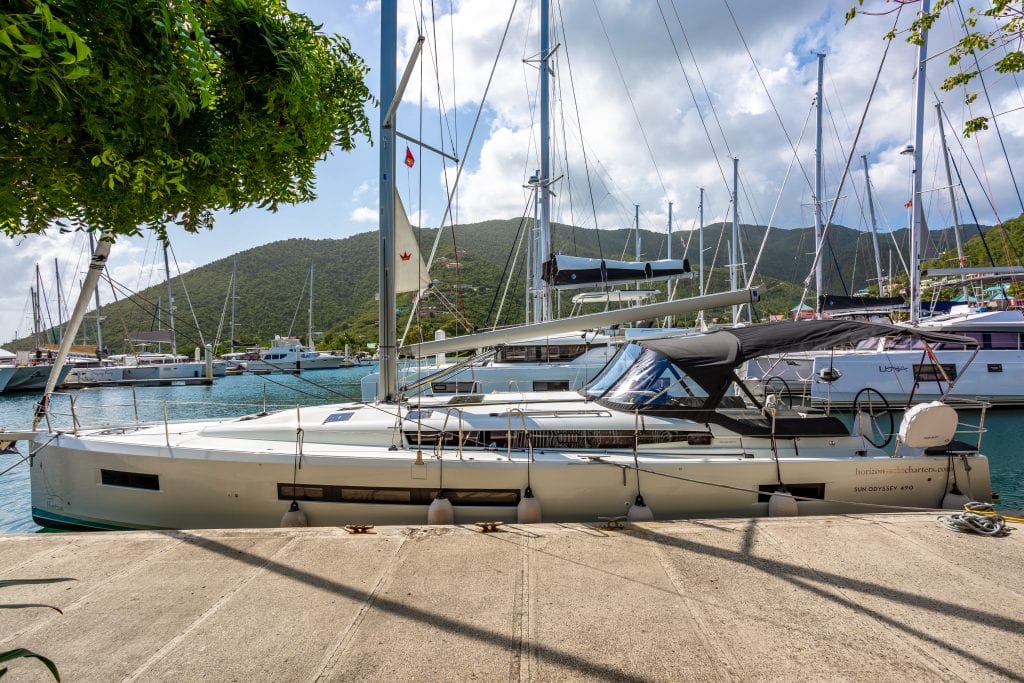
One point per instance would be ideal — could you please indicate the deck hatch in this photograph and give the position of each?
(131, 480)
(333, 493)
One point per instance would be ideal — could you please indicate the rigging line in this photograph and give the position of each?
(224, 313)
(970, 164)
(472, 135)
(693, 95)
(188, 298)
(583, 146)
(565, 136)
(991, 110)
(988, 100)
(974, 217)
(302, 295)
(767, 93)
(846, 168)
(138, 300)
(778, 200)
(564, 148)
(629, 96)
(505, 271)
(513, 257)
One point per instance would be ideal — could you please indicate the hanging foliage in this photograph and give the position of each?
(123, 114)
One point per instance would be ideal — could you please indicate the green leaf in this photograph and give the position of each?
(21, 652)
(5, 38)
(33, 51)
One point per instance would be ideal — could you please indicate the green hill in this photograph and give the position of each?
(272, 296)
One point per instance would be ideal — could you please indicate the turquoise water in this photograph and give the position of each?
(244, 394)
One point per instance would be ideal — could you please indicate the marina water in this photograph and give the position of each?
(234, 396)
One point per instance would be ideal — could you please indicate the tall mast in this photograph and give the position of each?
(874, 228)
(37, 315)
(312, 344)
(735, 233)
(700, 240)
(818, 285)
(961, 260)
(234, 274)
(668, 251)
(60, 304)
(917, 206)
(544, 293)
(387, 384)
(99, 319)
(636, 224)
(170, 304)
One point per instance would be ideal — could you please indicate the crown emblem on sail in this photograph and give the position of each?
(405, 256)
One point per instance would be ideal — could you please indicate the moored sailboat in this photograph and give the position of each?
(657, 434)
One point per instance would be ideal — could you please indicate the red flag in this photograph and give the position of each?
(905, 206)
(410, 160)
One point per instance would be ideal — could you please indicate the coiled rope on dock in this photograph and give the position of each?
(978, 518)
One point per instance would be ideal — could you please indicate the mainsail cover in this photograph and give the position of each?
(410, 272)
(572, 271)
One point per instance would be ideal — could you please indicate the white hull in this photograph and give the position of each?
(171, 371)
(323, 362)
(33, 377)
(208, 478)
(994, 376)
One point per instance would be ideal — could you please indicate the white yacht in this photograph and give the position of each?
(656, 435)
(909, 370)
(287, 354)
(659, 429)
(139, 367)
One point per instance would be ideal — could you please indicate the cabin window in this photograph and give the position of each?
(816, 491)
(130, 480)
(540, 354)
(379, 495)
(1004, 341)
(929, 372)
(453, 387)
(551, 385)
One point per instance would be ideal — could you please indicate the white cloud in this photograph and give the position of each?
(364, 214)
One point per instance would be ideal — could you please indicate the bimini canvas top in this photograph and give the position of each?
(710, 358)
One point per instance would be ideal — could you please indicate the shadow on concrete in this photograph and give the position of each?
(435, 620)
(817, 581)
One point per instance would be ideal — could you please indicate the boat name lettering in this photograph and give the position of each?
(892, 368)
(909, 469)
(882, 489)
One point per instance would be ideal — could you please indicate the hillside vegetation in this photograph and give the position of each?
(272, 288)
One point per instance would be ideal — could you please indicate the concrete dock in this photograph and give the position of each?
(857, 597)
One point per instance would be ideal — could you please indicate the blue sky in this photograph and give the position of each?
(621, 96)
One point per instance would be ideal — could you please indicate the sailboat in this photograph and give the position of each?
(658, 434)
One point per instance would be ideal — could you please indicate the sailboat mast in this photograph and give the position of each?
(874, 227)
(818, 284)
(99, 319)
(700, 241)
(170, 304)
(668, 251)
(37, 314)
(312, 344)
(60, 304)
(636, 224)
(387, 385)
(952, 191)
(544, 292)
(234, 275)
(917, 210)
(735, 233)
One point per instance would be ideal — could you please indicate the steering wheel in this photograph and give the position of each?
(871, 403)
(785, 392)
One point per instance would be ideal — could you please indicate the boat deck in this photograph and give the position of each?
(856, 597)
